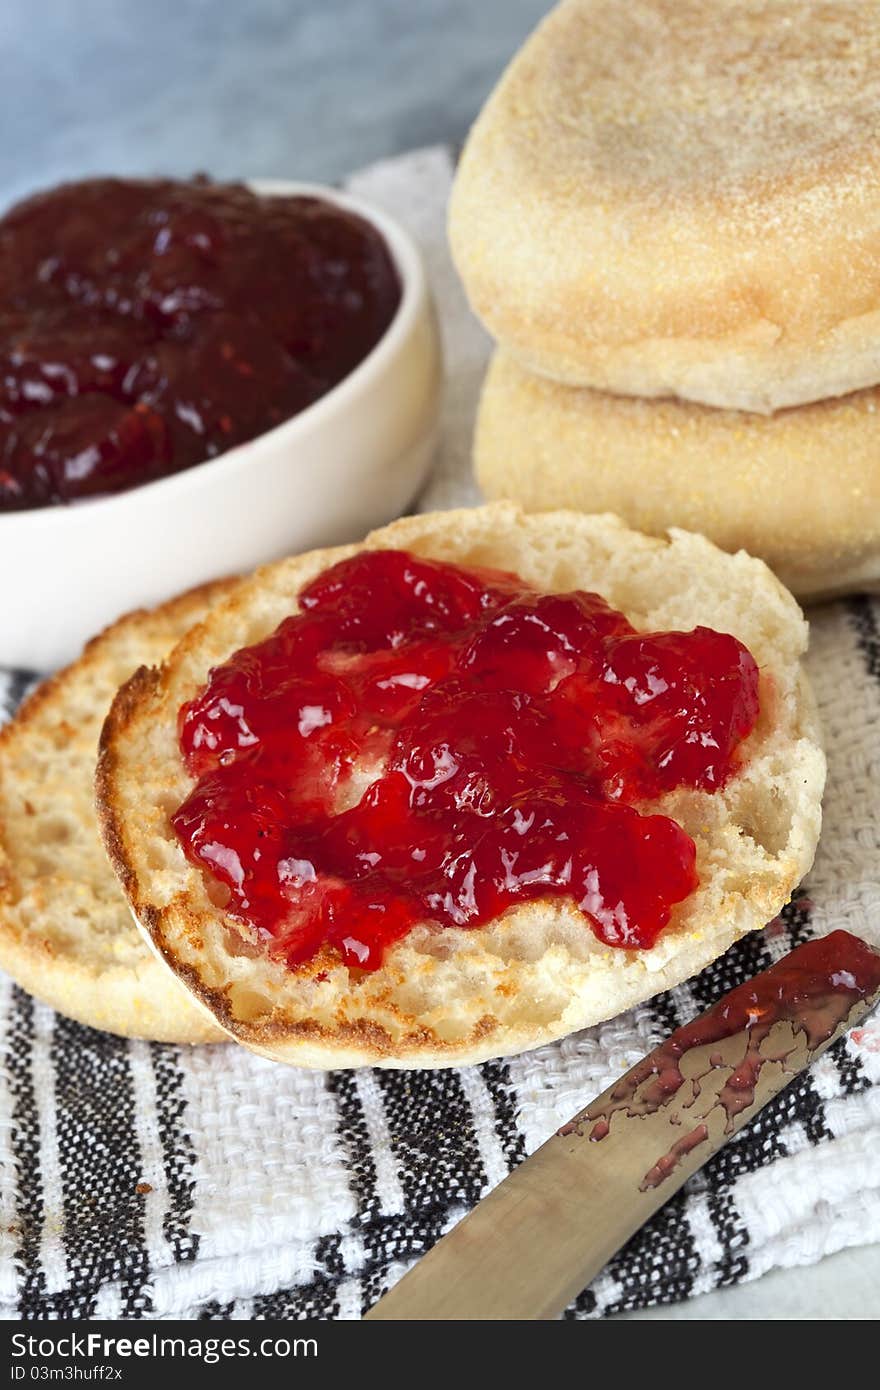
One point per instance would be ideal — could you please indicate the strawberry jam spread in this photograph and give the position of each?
(425, 743)
(146, 326)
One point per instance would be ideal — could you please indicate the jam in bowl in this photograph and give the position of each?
(187, 435)
(148, 325)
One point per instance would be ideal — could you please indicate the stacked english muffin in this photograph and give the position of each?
(668, 214)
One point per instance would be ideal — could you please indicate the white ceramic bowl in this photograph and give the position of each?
(351, 461)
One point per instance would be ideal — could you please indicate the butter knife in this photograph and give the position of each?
(530, 1246)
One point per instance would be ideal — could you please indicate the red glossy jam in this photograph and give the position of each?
(428, 743)
(148, 325)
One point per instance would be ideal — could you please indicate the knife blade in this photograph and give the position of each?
(530, 1246)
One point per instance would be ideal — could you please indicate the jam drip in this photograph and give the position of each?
(425, 743)
(149, 325)
(813, 989)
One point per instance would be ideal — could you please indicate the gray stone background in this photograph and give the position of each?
(284, 88)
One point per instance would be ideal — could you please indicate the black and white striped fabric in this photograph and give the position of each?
(148, 1181)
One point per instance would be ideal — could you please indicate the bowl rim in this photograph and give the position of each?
(413, 283)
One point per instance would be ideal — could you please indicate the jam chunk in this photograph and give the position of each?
(428, 743)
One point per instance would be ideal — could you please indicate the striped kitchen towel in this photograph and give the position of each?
(148, 1181)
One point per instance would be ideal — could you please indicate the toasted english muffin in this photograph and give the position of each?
(66, 932)
(800, 489)
(682, 197)
(448, 996)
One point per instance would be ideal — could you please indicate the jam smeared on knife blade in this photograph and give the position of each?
(149, 325)
(813, 989)
(426, 743)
